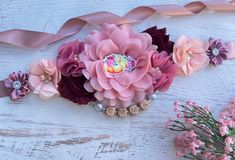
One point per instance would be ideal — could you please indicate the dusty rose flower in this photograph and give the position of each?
(117, 63)
(72, 88)
(160, 39)
(163, 71)
(68, 61)
(217, 51)
(17, 85)
(44, 77)
(190, 55)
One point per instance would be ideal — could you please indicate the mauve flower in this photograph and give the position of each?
(72, 88)
(68, 61)
(163, 71)
(118, 85)
(44, 77)
(190, 55)
(217, 51)
(17, 85)
(160, 39)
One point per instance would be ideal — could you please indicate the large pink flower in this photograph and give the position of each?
(119, 88)
(190, 55)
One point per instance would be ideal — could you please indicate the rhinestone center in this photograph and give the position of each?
(215, 51)
(118, 63)
(16, 85)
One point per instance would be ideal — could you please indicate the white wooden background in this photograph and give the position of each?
(57, 129)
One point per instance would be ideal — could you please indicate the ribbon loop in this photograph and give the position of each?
(34, 39)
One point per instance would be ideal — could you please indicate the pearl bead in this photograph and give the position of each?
(153, 96)
(215, 51)
(42, 77)
(99, 107)
(16, 85)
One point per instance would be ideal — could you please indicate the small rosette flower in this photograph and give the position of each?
(217, 51)
(17, 85)
(68, 61)
(160, 39)
(163, 71)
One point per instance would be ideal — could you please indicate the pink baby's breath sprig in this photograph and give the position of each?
(202, 136)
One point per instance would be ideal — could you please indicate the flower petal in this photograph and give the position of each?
(105, 48)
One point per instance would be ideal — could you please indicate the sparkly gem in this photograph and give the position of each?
(42, 77)
(190, 55)
(153, 97)
(16, 85)
(215, 51)
(117, 63)
(46, 81)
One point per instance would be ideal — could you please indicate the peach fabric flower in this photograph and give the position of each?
(190, 55)
(120, 89)
(44, 77)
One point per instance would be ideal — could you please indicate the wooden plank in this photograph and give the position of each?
(58, 129)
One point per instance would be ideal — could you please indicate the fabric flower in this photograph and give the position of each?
(217, 51)
(44, 77)
(72, 89)
(163, 71)
(116, 85)
(68, 61)
(160, 39)
(190, 55)
(17, 85)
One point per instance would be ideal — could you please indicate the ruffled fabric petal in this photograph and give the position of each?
(118, 89)
(190, 55)
(47, 87)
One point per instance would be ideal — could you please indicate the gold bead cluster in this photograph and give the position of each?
(45, 78)
(132, 110)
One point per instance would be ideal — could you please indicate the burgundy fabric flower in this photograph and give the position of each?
(72, 89)
(160, 39)
(17, 85)
(217, 51)
(163, 71)
(68, 61)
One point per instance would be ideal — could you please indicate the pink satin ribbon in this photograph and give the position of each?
(34, 39)
(3, 91)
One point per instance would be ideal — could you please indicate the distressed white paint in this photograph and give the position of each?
(57, 129)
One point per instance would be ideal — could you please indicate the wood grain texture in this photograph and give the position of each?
(57, 129)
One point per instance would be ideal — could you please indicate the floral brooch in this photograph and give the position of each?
(116, 69)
